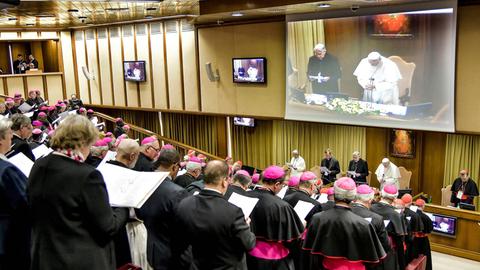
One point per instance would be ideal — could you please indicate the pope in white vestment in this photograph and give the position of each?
(297, 164)
(378, 76)
(388, 173)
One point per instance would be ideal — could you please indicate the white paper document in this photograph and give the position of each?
(282, 192)
(25, 107)
(302, 208)
(29, 114)
(398, 211)
(129, 188)
(110, 155)
(369, 219)
(41, 150)
(386, 222)
(414, 208)
(323, 198)
(22, 162)
(243, 202)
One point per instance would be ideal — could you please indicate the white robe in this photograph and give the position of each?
(298, 165)
(383, 76)
(389, 175)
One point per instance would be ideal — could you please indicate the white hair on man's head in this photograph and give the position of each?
(191, 166)
(364, 197)
(5, 125)
(374, 56)
(385, 160)
(319, 47)
(356, 153)
(295, 151)
(388, 195)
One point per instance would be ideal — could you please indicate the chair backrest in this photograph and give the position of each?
(446, 194)
(419, 263)
(406, 69)
(369, 178)
(404, 182)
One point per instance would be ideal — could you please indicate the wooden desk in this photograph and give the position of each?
(466, 244)
(50, 84)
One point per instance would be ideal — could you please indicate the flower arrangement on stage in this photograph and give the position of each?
(350, 107)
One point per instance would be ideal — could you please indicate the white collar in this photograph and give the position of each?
(2, 156)
(211, 189)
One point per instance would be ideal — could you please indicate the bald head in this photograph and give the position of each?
(127, 152)
(215, 172)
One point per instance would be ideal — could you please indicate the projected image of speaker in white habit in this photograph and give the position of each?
(395, 69)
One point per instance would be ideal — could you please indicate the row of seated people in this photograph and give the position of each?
(59, 217)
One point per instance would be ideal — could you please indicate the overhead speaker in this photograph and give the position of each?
(212, 76)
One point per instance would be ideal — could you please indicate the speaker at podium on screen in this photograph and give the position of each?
(88, 75)
(212, 76)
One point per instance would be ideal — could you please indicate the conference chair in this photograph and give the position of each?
(405, 176)
(404, 84)
(446, 195)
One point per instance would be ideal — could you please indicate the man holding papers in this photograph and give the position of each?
(275, 224)
(22, 130)
(72, 221)
(394, 224)
(329, 167)
(241, 182)
(148, 152)
(14, 225)
(297, 164)
(159, 211)
(358, 169)
(215, 228)
(339, 239)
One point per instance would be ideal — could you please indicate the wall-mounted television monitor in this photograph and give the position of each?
(444, 225)
(380, 72)
(134, 71)
(249, 70)
(244, 121)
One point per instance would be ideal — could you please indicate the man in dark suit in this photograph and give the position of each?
(332, 167)
(194, 169)
(22, 130)
(159, 210)
(216, 229)
(241, 181)
(358, 169)
(19, 65)
(14, 225)
(33, 63)
(148, 152)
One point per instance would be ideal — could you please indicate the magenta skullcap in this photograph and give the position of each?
(63, 105)
(127, 127)
(168, 147)
(59, 101)
(273, 172)
(108, 134)
(107, 140)
(51, 108)
(330, 191)
(89, 111)
(148, 140)
(51, 133)
(17, 95)
(82, 110)
(390, 191)
(307, 176)
(42, 114)
(43, 108)
(118, 120)
(345, 189)
(36, 131)
(99, 143)
(364, 193)
(293, 181)
(194, 160)
(255, 178)
(9, 100)
(242, 172)
(37, 123)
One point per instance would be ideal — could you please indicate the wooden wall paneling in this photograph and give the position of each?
(159, 71)
(143, 54)
(81, 61)
(54, 84)
(25, 87)
(152, 86)
(2, 86)
(222, 145)
(116, 57)
(4, 61)
(61, 66)
(73, 87)
(128, 41)
(98, 67)
(29, 34)
(50, 55)
(45, 89)
(104, 66)
(376, 141)
(175, 91)
(92, 62)
(189, 60)
(36, 48)
(136, 58)
(433, 164)
(36, 83)
(14, 85)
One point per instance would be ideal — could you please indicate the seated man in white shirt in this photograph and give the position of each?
(378, 76)
(297, 164)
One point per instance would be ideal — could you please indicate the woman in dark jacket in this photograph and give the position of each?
(72, 221)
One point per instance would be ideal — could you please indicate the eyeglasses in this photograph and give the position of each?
(463, 174)
(156, 149)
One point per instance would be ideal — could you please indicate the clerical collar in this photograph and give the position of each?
(360, 205)
(2, 156)
(212, 189)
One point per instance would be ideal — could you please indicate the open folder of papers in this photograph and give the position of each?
(41, 150)
(129, 188)
(22, 162)
(302, 208)
(243, 202)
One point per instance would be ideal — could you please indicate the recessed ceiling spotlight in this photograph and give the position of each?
(151, 9)
(30, 24)
(72, 10)
(82, 17)
(237, 14)
(12, 19)
(117, 9)
(324, 5)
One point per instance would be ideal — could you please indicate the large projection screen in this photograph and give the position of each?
(372, 68)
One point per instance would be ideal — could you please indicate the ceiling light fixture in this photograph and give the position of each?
(324, 5)
(30, 24)
(117, 9)
(237, 14)
(72, 10)
(82, 17)
(12, 19)
(151, 9)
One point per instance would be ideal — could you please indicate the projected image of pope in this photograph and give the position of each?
(378, 76)
(323, 71)
(252, 70)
